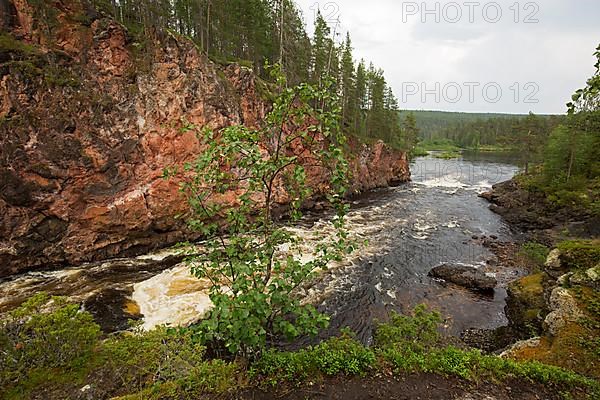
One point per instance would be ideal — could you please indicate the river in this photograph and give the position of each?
(438, 218)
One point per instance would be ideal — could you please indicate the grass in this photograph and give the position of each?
(448, 155)
(492, 148)
(535, 254)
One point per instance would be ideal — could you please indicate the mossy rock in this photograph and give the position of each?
(566, 350)
(525, 305)
(580, 254)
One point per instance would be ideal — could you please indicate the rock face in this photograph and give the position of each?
(466, 276)
(88, 122)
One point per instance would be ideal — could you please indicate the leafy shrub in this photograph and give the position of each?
(342, 355)
(416, 332)
(45, 332)
(252, 283)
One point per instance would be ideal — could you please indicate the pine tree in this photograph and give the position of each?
(360, 99)
(321, 49)
(410, 132)
(348, 83)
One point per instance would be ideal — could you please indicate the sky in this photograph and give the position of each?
(472, 56)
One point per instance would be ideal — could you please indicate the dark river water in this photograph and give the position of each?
(438, 218)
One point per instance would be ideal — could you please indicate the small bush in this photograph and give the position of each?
(416, 332)
(215, 376)
(45, 332)
(156, 356)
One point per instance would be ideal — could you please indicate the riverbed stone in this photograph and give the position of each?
(465, 276)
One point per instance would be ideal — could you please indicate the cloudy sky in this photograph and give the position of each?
(502, 56)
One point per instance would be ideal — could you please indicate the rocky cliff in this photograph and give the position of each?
(89, 118)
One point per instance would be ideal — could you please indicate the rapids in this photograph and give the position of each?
(406, 231)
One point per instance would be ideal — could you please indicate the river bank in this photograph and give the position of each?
(554, 309)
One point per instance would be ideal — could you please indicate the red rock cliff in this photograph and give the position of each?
(88, 121)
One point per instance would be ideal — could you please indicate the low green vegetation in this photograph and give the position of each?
(580, 254)
(55, 349)
(535, 253)
(448, 155)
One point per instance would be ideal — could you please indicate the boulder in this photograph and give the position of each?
(554, 267)
(465, 276)
(525, 304)
(564, 309)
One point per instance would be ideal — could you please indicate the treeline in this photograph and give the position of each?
(570, 172)
(432, 123)
(261, 32)
(508, 131)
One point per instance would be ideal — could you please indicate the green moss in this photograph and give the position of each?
(11, 45)
(580, 254)
(535, 253)
(58, 76)
(529, 289)
(228, 61)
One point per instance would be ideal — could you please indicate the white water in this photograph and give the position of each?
(400, 233)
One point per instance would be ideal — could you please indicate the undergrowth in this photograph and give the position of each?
(54, 349)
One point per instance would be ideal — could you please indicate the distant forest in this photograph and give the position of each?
(474, 130)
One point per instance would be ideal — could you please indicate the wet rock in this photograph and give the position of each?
(530, 211)
(465, 276)
(487, 340)
(489, 196)
(111, 311)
